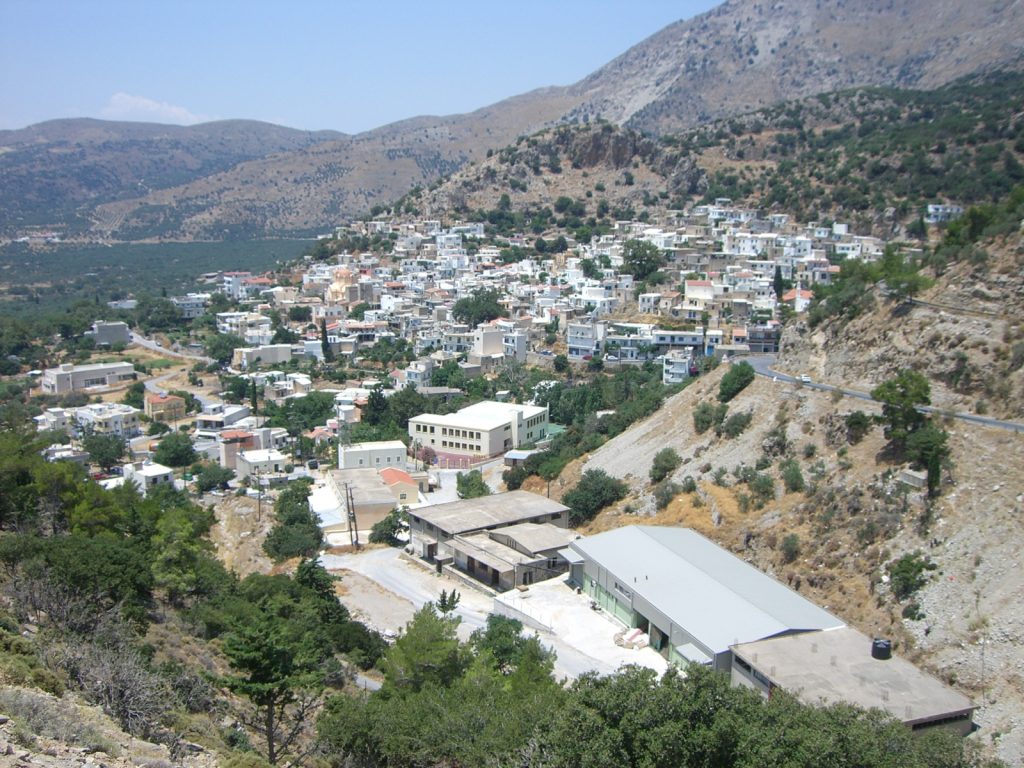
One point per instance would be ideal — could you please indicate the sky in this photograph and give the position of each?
(309, 64)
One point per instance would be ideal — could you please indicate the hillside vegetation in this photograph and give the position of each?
(872, 157)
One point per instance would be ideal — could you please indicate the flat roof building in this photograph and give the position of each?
(73, 378)
(372, 500)
(517, 555)
(372, 455)
(147, 475)
(838, 665)
(432, 528)
(479, 431)
(692, 597)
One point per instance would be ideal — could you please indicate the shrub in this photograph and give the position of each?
(735, 381)
(53, 719)
(595, 491)
(908, 574)
(689, 484)
(763, 488)
(664, 493)
(666, 461)
(514, 477)
(858, 424)
(792, 477)
(734, 425)
(387, 529)
(706, 416)
(471, 485)
(790, 547)
(297, 530)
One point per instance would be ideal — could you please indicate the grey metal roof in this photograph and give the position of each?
(488, 511)
(712, 594)
(837, 666)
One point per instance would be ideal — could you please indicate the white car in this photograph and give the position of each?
(805, 379)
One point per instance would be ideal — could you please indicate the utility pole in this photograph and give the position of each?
(353, 527)
(259, 497)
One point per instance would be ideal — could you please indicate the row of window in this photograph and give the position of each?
(460, 433)
(460, 446)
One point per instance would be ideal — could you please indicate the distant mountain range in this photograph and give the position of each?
(243, 179)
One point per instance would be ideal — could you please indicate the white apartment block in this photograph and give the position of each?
(252, 327)
(584, 340)
(106, 419)
(676, 367)
(191, 305)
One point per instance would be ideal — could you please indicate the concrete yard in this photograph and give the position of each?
(582, 639)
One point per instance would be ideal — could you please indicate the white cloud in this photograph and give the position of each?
(125, 106)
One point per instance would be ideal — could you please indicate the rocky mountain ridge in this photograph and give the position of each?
(734, 58)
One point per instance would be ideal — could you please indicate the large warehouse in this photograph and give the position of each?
(692, 597)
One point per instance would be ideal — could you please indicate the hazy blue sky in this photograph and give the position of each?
(340, 65)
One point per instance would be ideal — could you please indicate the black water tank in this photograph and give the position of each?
(881, 649)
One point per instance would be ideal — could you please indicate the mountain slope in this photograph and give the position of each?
(742, 55)
(313, 188)
(746, 54)
(50, 170)
(965, 332)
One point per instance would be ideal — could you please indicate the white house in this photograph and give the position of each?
(260, 462)
(374, 455)
(148, 475)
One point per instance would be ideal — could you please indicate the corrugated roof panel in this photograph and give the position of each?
(712, 594)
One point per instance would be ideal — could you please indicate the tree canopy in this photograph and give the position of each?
(642, 259)
(175, 450)
(900, 397)
(107, 450)
(482, 307)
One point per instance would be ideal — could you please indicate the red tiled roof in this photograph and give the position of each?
(155, 397)
(392, 475)
(235, 434)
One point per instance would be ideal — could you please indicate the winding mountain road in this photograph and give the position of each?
(762, 367)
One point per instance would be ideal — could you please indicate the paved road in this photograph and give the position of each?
(762, 366)
(157, 385)
(142, 341)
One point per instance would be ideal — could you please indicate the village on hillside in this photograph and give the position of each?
(460, 318)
